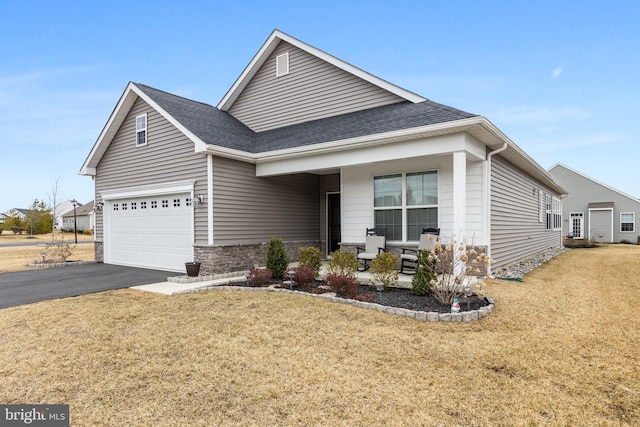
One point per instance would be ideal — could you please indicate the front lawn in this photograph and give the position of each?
(561, 348)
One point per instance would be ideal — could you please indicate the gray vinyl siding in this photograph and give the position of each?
(516, 229)
(168, 156)
(584, 191)
(313, 89)
(250, 209)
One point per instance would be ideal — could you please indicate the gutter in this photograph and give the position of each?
(488, 192)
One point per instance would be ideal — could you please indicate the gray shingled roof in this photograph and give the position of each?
(211, 125)
(220, 128)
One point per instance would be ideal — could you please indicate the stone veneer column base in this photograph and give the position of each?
(220, 259)
(98, 251)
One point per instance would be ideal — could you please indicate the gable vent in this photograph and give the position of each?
(282, 64)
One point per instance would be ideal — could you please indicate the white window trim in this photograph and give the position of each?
(404, 207)
(633, 221)
(142, 129)
(557, 214)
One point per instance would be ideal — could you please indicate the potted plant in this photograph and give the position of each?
(193, 269)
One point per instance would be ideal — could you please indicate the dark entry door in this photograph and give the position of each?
(333, 222)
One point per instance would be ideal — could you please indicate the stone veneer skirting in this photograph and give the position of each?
(220, 259)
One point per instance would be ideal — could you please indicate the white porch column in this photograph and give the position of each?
(459, 193)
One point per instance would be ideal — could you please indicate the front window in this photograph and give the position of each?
(628, 221)
(404, 204)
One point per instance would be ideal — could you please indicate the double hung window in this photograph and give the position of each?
(628, 221)
(406, 203)
(141, 130)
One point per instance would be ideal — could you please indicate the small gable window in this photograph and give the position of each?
(141, 130)
(282, 64)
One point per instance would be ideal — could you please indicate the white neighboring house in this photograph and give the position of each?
(62, 209)
(16, 212)
(85, 218)
(2, 216)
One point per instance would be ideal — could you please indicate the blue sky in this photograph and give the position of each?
(560, 78)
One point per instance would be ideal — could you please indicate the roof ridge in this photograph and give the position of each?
(172, 94)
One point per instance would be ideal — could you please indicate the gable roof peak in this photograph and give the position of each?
(270, 45)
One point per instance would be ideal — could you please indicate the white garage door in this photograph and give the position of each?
(152, 232)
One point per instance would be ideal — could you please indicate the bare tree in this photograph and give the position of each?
(54, 200)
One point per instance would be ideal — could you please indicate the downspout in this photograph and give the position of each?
(488, 192)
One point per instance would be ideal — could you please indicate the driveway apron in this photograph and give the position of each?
(25, 287)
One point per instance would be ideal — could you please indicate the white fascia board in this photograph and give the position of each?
(131, 93)
(185, 186)
(108, 132)
(197, 141)
(432, 146)
(228, 153)
(534, 167)
(269, 46)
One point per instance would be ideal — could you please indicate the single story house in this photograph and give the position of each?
(596, 211)
(61, 209)
(311, 149)
(84, 218)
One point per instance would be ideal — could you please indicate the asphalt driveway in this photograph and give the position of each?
(25, 287)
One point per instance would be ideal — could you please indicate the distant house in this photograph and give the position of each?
(596, 211)
(311, 149)
(17, 212)
(84, 218)
(62, 209)
(2, 216)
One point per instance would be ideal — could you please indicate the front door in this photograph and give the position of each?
(577, 225)
(333, 222)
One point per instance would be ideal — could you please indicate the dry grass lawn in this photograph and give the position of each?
(16, 258)
(560, 349)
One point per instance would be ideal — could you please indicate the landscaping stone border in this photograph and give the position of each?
(425, 316)
(58, 264)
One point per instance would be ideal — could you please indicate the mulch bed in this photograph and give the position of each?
(396, 297)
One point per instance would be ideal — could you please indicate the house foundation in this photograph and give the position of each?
(220, 259)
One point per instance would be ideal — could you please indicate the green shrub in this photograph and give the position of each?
(309, 256)
(277, 260)
(343, 263)
(383, 269)
(422, 282)
(343, 286)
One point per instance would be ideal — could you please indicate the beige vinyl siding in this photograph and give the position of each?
(313, 89)
(250, 209)
(168, 156)
(516, 229)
